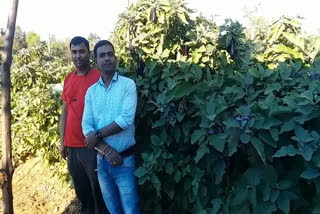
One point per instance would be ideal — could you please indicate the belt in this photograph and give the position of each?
(128, 152)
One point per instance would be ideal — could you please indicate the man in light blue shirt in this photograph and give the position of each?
(108, 124)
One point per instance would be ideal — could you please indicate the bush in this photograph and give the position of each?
(36, 108)
(218, 132)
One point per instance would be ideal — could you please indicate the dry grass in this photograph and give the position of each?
(38, 190)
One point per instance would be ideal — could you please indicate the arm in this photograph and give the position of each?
(87, 117)
(63, 149)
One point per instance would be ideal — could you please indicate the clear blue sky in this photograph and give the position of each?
(67, 18)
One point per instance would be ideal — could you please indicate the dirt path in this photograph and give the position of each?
(38, 190)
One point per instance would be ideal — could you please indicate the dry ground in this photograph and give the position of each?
(38, 190)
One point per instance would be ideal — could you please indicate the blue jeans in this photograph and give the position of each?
(119, 186)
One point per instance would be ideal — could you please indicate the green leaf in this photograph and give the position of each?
(179, 116)
(286, 184)
(165, 53)
(232, 144)
(305, 109)
(229, 90)
(177, 176)
(310, 173)
(184, 89)
(307, 151)
(254, 72)
(216, 203)
(286, 151)
(275, 193)
(169, 168)
(294, 39)
(245, 138)
(308, 95)
(196, 56)
(202, 150)
(182, 16)
(302, 135)
(273, 87)
(274, 133)
(258, 145)
(177, 134)
(197, 134)
(218, 142)
(284, 203)
(232, 123)
(202, 49)
(288, 126)
(270, 99)
(267, 138)
(240, 195)
(141, 171)
(203, 86)
(155, 140)
(159, 123)
(154, 179)
(220, 169)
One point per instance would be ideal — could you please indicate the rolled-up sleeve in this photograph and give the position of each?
(87, 117)
(128, 111)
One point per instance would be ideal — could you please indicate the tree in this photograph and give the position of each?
(93, 39)
(19, 40)
(33, 39)
(7, 168)
(59, 49)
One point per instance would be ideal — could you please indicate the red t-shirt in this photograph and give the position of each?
(74, 91)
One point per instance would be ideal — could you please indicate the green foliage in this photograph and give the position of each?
(33, 39)
(217, 131)
(93, 39)
(36, 107)
(19, 40)
(283, 41)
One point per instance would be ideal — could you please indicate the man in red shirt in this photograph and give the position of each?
(82, 161)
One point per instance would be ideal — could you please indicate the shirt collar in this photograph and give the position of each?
(114, 78)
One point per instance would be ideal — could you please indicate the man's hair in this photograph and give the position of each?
(99, 44)
(77, 40)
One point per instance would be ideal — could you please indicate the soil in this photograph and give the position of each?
(38, 190)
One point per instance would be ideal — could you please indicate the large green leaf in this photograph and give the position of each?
(283, 203)
(197, 134)
(202, 150)
(245, 138)
(141, 171)
(220, 169)
(218, 141)
(184, 89)
(286, 151)
(216, 203)
(288, 126)
(240, 195)
(258, 145)
(310, 173)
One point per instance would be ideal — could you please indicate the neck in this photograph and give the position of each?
(107, 78)
(83, 71)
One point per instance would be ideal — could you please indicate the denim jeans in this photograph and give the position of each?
(119, 186)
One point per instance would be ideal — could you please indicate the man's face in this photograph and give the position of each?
(80, 55)
(106, 60)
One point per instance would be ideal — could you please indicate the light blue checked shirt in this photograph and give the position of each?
(116, 103)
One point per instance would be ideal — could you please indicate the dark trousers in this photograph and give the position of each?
(82, 165)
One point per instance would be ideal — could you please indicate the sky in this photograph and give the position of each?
(68, 18)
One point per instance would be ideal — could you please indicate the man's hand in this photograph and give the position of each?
(63, 151)
(91, 140)
(110, 154)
